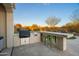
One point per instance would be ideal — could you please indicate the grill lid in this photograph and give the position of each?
(24, 33)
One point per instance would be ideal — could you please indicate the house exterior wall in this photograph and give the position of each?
(2, 24)
(6, 24)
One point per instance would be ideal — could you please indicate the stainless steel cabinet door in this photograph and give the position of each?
(24, 41)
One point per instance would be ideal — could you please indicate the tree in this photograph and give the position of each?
(35, 27)
(52, 21)
(27, 28)
(18, 27)
(73, 25)
(75, 16)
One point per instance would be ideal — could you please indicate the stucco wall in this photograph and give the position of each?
(2, 24)
(10, 27)
(6, 24)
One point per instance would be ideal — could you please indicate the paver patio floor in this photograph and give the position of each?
(39, 49)
(36, 49)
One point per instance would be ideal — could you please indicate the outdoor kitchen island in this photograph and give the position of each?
(59, 40)
(26, 38)
(47, 38)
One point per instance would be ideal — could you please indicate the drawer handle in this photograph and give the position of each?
(35, 34)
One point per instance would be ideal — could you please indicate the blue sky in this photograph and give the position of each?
(30, 13)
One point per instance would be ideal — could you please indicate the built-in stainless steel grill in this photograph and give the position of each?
(24, 33)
